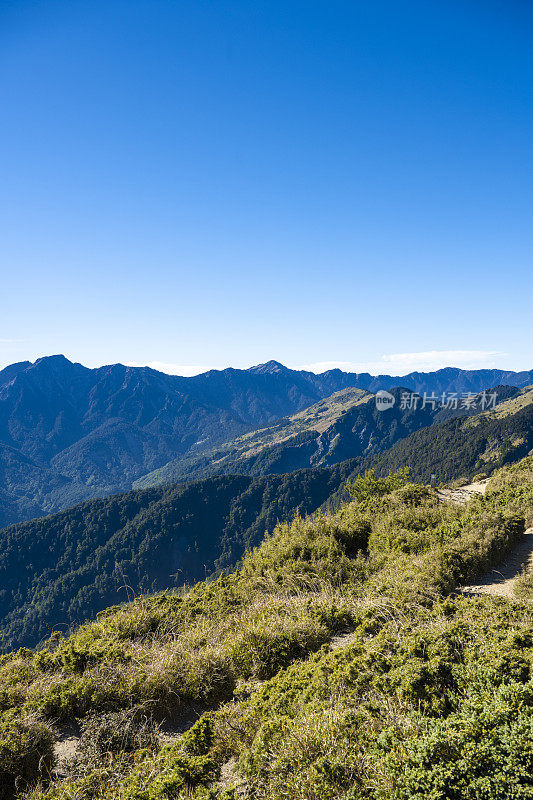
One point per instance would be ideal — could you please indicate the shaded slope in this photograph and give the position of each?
(62, 569)
(345, 425)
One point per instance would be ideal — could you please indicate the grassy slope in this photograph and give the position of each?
(78, 562)
(432, 696)
(61, 569)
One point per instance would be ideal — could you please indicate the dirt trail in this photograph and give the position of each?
(170, 730)
(463, 493)
(342, 639)
(66, 747)
(501, 581)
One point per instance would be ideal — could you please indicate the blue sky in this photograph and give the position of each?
(201, 184)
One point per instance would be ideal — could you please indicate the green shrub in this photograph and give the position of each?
(26, 753)
(367, 486)
(485, 750)
(420, 666)
(523, 587)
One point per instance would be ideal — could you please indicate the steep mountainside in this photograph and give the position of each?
(346, 425)
(91, 432)
(340, 661)
(62, 569)
(28, 489)
(464, 446)
(82, 433)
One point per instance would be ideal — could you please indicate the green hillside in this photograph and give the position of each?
(430, 696)
(60, 570)
(345, 425)
(462, 447)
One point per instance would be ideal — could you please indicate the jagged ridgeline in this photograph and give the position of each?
(68, 433)
(61, 570)
(336, 662)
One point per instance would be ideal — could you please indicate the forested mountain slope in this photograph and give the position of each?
(462, 447)
(348, 424)
(336, 664)
(62, 569)
(68, 433)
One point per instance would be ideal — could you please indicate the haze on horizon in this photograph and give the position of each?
(196, 186)
(398, 364)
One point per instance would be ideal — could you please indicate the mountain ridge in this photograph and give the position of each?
(65, 568)
(93, 432)
(345, 425)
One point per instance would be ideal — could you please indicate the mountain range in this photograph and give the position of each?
(62, 569)
(69, 433)
(348, 424)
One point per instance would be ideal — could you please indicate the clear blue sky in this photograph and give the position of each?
(204, 184)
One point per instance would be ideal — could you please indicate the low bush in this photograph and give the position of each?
(105, 735)
(326, 724)
(26, 752)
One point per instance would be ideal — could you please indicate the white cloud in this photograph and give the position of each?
(436, 359)
(402, 363)
(346, 366)
(389, 364)
(170, 369)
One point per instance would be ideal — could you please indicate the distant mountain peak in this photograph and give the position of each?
(269, 368)
(58, 357)
(56, 361)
